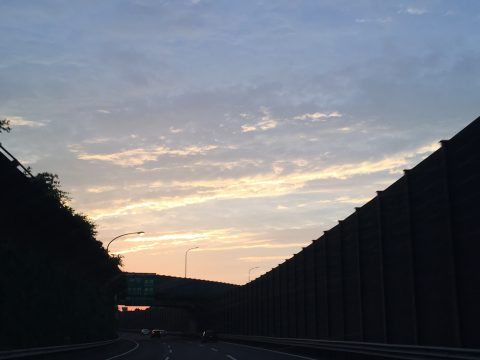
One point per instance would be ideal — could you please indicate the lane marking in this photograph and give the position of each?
(231, 357)
(127, 352)
(273, 351)
(213, 349)
(167, 358)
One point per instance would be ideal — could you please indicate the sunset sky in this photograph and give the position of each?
(245, 128)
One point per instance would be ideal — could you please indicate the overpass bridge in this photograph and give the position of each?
(150, 289)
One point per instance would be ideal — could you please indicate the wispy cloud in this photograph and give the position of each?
(134, 249)
(263, 185)
(266, 122)
(139, 156)
(216, 240)
(410, 10)
(96, 140)
(262, 258)
(100, 189)
(21, 121)
(174, 130)
(318, 116)
(380, 20)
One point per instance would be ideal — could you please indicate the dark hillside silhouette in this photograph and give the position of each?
(57, 282)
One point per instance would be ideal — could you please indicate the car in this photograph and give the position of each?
(144, 332)
(156, 333)
(209, 335)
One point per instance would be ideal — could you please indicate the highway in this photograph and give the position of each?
(179, 348)
(138, 347)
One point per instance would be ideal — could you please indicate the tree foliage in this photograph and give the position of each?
(5, 125)
(50, 186)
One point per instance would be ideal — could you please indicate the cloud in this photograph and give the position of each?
(318, 116)
(175, 130)
(139, 156)
(380, 20)
(413, 11)
(262, 258)
(174, 237)
(98, 140)
(216, 240)
(103, 111)
(263, 185)
(20, 121)
(266, 122)
(134, 249)
(100, 189)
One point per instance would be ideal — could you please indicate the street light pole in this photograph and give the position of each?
(130, 233)
(186, 253)
(250, 270)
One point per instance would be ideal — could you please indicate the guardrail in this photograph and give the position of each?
(387, 351)
(14, 354)
(15, 162)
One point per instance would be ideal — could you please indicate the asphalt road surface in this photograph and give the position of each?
(179, 348)
(137, 347)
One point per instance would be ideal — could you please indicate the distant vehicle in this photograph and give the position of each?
(145, 332)
(157, 333)
(209, 335)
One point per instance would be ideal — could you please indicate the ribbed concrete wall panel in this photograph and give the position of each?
(351, 279)
(284, 309)
(463, 162)
(323, 329)
(371, 269)
(436, 308)
(398, 264)
(291, 298)
(310, 289)
(333, 242)
(277, 303)
(300, 294)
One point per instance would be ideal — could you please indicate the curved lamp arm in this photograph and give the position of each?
(250, 270)
(186, 253)
(119, 236)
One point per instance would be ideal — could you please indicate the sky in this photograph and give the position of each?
(245, 128)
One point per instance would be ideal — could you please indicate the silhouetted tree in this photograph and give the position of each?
(57, 281)
(50, 185)
(5, 125)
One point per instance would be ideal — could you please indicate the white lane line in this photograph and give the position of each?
(231, 357)
(167, 358)
(273, 351)
(213, 349)
(127, 352)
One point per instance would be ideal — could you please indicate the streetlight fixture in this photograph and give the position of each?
(130, 233)
(250, 270)
(186, 253)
